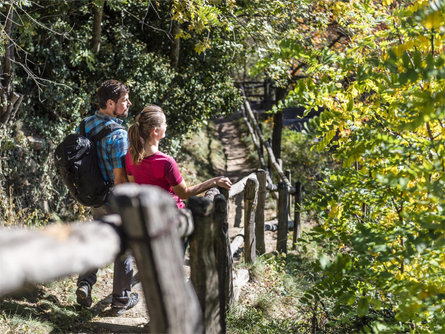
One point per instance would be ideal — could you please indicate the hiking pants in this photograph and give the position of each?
(123, 270)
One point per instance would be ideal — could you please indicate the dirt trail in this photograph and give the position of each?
(237, 167)
(237, 164)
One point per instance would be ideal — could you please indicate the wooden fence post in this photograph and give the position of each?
(282, 217)
(250, 203)
(150, 219)
(297, 213)
(203, 270)
(259, 213)
(224, 259)
(269, 159)
(238, 202)
(289, 200)
(260, 126)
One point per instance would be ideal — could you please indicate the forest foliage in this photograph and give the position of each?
(382, 213)
(375, 67)
(63, 50)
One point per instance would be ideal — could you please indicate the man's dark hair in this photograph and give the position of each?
(111, 90)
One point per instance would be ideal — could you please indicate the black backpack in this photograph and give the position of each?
(77, 163)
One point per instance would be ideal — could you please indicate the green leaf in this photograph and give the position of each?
(324, 261)
(363, 306)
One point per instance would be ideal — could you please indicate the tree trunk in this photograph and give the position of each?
(278, 124)
(175, 44)
(7, 87)
(97, 25)
(259, 213)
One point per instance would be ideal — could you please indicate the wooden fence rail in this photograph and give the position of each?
(36, 256)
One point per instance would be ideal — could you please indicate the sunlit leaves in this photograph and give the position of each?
(384, 99)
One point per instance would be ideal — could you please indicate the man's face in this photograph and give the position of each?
(121, 106)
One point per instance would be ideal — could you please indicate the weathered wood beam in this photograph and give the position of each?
(39, 256)
(259, 212)
(185, 223)
(236, 244)
(289, 200)
(250, 203)
(297, 213)
(203, 270)
(150, 221)
(271, 187)
(224, 259)
(282, 217)
(278, 169)
(254, 139)
(238, 187)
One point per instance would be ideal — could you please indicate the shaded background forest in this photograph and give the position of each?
(59, 53)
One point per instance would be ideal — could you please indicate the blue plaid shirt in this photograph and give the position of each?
(112, 149)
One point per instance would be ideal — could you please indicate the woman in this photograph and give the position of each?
(147, 165)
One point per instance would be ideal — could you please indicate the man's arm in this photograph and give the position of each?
(120, 175)
(116, 154)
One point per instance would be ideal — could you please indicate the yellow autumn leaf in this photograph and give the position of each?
(433, 21)
(336, 212)
(387, 2)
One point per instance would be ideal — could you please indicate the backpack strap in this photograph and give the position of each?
(82, 131)
(105, 131)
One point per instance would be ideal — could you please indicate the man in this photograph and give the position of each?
(113, 104)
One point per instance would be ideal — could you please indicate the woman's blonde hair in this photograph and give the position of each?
(149, 118)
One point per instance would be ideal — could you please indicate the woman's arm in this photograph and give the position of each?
(130, 178)
(120, 176)
(185, 192)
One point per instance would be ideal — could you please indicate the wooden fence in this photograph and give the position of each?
(287, 193)
(260, 93)
(149, 224)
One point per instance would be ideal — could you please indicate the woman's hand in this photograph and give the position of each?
(224, 182)
(185, 192)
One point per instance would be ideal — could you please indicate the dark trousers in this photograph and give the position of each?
(123, 270)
